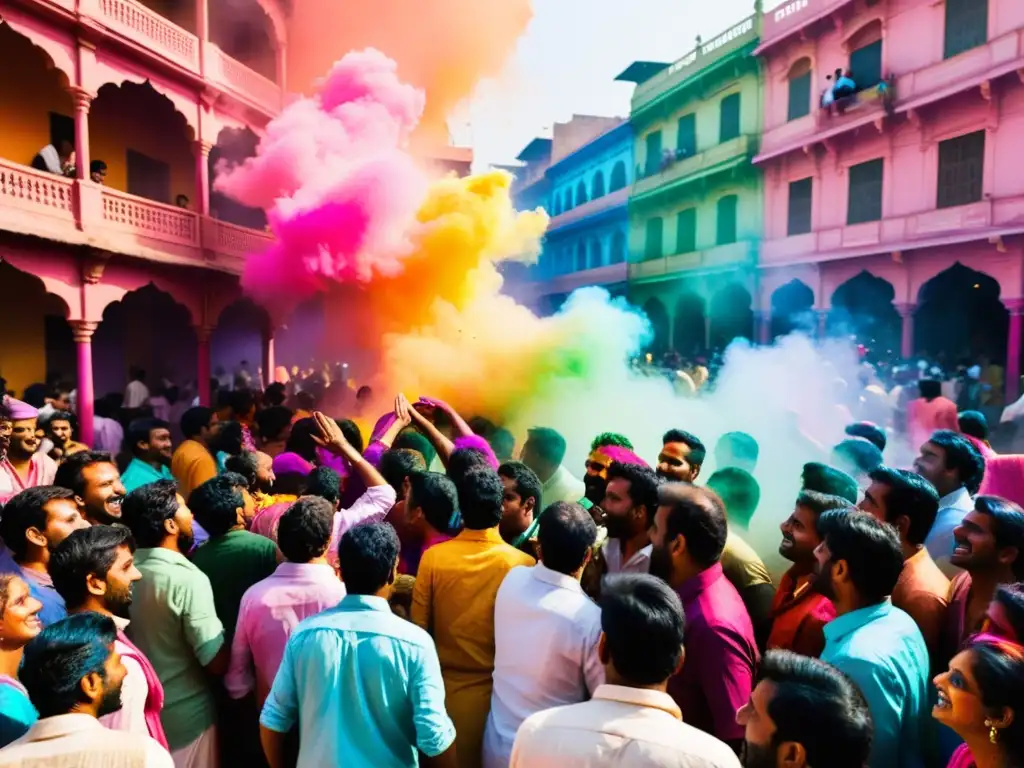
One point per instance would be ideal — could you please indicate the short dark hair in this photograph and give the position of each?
(195, 420)
(465, 460)
(873, 433)
(829, 480)
(642, 621)
(502, 442)
(145, 510)
(526, 480)
(1007, 526)
(1011, 598)
(481, 496)
(643, 485)
(741, 445)
(246, 464)
(272, 421)
(91, 550)
(229, 438)
(698, 515)
(69, 473)
(858, 455)
(216, 502)
(548, 444)
(605, 439)
(815, 705)
(138, 432)
(973, 423)
(58, 658)
(28, 510)
(436, 495)
(62, 416)
(929, 389)
(566, 532)
(301, 439)
(242, 401)
(411, 440)
(352, 433)
(304, 530)
(97, 166)
(871, 549)
(367, 555)
(325, 483)
(819, 503)
(739, 492)
(909, 495)
(274, 396)
(697, 449)
(398, 464)
(962, 456)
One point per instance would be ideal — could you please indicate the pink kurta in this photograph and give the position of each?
(41, 471)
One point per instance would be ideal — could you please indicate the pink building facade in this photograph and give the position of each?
(150, 89)
(913, 179)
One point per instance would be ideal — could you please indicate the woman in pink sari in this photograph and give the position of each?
(981, 698)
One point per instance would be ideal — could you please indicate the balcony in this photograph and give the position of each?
(711, 259)
(705, 54)
(677, 173)
(243, 82)
(80, 213)
(792, 15)
(590, 208)
(138, 24)
(609, 274)
(988, 219)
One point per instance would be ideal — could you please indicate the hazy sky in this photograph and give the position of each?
(566, 62)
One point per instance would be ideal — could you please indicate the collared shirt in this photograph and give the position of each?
(234, 562)
(953, 508)
(80, 740)
(174, 622)
(456, 588)
(192, 465)
(956, 630)
(619, 728)
(721, 655)
(364, 688)
(639, 561)
(539, 609)
(108, 435)
(881, 649)
(269, 613)
(138, 473)
(40, 585)
(371, 507)
(561, 486)
(131, 717)
(922, 591)
(135, 394)
(409, 559)
(41, 471)
(799, 616)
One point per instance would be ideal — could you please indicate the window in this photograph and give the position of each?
(653, 145)
(581, 193)
(618, 177)
(686, 144)
(556, 205)
(568, 200)
(799, 96)
(653, 244)
(800, 206)
(686, 231)
(730, 113)
(148, 178)
(618, 248)
(596, 257)
(866, 65)
(966, 25)
(597, 186)
(581, 256)
(865, 192)
(961, 167)
(727, 220)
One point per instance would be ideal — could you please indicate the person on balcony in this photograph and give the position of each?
(98, 171)
(58, 158)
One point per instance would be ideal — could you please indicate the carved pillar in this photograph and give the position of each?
(82, 331)
(82, 100)
(822, 315)
(269, 357)
(763, 319)
(201, 149)
(1016, 307)
(203, 334)
(907, 338)
(202, 31)
(282, 71)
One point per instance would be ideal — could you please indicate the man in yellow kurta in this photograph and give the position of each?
(453, 599)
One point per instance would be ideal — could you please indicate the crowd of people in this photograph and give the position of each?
(260, 584)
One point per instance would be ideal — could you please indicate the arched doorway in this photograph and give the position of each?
(960, 318)
(731, 315)
(238, 338)
(658, 317)
(618, 178)
(690, 325)
(792, 309)
(243, 30)
(234, 146)
(42, 344)
(862, 308)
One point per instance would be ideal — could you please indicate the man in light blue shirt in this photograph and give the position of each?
(877, 645)
(361, 685)
(150, 444)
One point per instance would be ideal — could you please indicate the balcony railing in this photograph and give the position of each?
(137, 22)
(720, 256)
(589, 208)
(226, 71)
(49, 206)
(790, 15)
(704, 54)
(672, 170)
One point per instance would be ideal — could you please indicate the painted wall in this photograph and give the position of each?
(23, 343)
(565, 178)
(180, 12)
(560, 253)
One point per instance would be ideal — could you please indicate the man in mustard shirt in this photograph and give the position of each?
(453, 600)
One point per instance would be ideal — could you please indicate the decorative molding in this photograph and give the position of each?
(203, 145)
(93, 266)
(82, 330)
(1014, 306)
(905, 309)
(81, 97)
(204, 332)
(986, 90)
(997, 241)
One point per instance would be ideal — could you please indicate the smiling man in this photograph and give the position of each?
(681, 457)
(96, 483)
(23, 466)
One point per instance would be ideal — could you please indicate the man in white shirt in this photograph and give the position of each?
(631, 720)
(136, 394)
(950, 463)
(545, 631)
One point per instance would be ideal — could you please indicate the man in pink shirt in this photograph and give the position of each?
(930, 412)
(301, 587)
(22, 465)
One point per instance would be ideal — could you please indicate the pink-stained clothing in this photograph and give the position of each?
(926, 416)
(1004, 476)
(962, 758)
(372, 507)
(142, 695)
(269, 611)
(983, 448)
(721, 655)
(409, 560)
(107, 435)
(266, 520)
(41, 471)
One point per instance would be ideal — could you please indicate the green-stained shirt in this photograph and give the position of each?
(139, 473)
(174, 623)
(234, 562)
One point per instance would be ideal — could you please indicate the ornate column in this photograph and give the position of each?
(1016, 307)
(201, 149)
(907, 311)
(82, 100)
(282, 71)
(763, 319)
(202, 31)
(822, 315)
(203, 334)
(83, 331)
(269, 357)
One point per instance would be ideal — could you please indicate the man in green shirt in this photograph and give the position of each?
(174, 621)
(150, 442)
